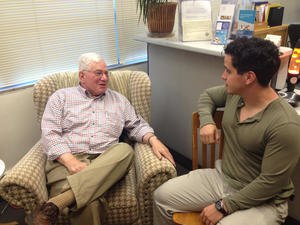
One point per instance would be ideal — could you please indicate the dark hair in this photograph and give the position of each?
(254, 54)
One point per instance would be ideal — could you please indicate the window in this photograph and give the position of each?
(41, 37)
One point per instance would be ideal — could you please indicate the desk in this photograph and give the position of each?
(277, 30)
(179, 72)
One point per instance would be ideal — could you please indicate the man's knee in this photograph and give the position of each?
(126, 149)
(161, 194)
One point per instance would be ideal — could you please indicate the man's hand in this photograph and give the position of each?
(71, 163)
(209, 134)
(159, 149)
(210, 215)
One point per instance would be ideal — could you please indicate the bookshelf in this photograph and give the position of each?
(261, 30)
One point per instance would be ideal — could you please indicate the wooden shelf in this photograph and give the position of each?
(260, 30)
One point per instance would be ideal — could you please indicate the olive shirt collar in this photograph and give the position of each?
(257, 117)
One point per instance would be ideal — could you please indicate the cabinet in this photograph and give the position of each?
(262, 31)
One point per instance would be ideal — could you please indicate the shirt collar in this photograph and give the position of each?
(85, 93)
(258, 116)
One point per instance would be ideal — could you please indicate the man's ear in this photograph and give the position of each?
(81, 75)
(250, 77)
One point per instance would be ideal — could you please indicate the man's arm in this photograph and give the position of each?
(140, 130)
(51, 126)
(53, 143)
(71, 163)
(280, 158)
(209, 100)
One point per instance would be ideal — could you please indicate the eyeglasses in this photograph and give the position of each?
(98, 73)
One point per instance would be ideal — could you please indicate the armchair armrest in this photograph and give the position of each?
(151, 173)
(25, 184)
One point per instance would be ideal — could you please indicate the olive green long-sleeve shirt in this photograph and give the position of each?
(260, 153)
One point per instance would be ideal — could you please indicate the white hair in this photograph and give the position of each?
(86, 59)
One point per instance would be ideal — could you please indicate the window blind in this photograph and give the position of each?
(41, 37)
(128, 26)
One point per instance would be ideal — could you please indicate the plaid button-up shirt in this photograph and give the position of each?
(75, 122)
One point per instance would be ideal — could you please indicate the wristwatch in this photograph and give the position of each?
(220, 207)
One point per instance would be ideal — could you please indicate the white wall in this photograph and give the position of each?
(291, 10)
(19, 128)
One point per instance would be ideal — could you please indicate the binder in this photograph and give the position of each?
(275, 16)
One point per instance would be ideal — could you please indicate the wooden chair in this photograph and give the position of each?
(193, 218)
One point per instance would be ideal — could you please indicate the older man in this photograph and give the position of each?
(252, 184)
(81, 127)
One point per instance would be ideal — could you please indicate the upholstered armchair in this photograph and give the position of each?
(130, 200)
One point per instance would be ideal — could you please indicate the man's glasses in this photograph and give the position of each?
(98, 73)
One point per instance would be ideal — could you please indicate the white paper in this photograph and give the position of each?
(194, 30)
(226, 12)
(194, 10)
(195, 20)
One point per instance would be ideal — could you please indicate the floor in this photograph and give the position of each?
(9, 215)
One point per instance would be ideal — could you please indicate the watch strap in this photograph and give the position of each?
(220, 207)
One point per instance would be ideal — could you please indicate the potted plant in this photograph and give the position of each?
(159, 15)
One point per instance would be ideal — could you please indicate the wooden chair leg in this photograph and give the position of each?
(187, 218)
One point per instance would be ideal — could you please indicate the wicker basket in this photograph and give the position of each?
(161, 18)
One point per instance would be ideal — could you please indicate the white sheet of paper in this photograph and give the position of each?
(194, 30)
(195, 10)
(226, 12)
(196, 20)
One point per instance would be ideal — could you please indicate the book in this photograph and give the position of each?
(223, 25)
(221, 32)
(246, 23)
(275, 16)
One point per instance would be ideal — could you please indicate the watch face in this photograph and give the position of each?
(218, 205)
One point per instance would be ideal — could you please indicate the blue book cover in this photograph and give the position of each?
(222, 31)
(246, 23)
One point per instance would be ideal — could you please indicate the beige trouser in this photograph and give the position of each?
(92, 182)
(200, 188)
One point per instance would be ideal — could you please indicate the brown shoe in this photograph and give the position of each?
(46, 214)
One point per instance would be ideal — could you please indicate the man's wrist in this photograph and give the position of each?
(149, 139)
(221, 207)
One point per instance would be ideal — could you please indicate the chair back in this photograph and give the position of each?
(218, 115)
(294, 34)
(134, 85)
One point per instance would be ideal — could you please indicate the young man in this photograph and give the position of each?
(252, 184)
(81, 127)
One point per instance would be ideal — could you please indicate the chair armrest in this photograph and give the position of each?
(25, 184)
(151, 173)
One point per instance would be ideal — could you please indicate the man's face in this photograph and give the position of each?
(234, 82)
(95, 80)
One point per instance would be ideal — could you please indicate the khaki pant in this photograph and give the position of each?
(200, 188)
(92, 182)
